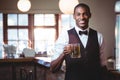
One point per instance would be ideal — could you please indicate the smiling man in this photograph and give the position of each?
(92, 60)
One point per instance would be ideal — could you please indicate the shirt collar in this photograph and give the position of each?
(78, 29)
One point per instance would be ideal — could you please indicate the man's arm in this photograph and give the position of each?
(57, 63)
(102, 50)
(59, 52)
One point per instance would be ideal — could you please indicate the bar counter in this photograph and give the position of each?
(31, 68)
(34, 68)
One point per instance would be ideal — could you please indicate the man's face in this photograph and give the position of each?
(81, 16)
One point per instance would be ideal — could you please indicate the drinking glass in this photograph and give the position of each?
(75, 51)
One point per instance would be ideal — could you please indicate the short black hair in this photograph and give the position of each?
(84, 6)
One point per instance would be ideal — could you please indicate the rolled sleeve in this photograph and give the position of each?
(102, 50)
(60, 44)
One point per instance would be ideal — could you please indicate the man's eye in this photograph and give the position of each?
(78, 14)
(86, 14)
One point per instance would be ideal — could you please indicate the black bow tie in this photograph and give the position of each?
(83, 32)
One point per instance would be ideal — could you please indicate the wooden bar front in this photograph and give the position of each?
(27, 69)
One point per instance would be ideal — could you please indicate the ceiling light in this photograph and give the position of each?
(24, 5)
(67, 6)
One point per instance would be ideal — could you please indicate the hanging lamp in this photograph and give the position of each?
(24, 5)
(67, 6)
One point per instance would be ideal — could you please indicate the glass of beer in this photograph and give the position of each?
(75, 50)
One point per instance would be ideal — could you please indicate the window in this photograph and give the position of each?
(1, 27)
(117, 36)
(44, 31)
(17, 19)
(17, 36)
(41, 29)
(1, 34)
(67, 21)
(44, 20)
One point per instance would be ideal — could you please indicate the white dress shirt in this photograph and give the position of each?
(64, 40)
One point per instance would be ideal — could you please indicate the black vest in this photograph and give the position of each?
(86, 67)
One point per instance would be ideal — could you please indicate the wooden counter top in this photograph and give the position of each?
(45, 61)
(16, 60)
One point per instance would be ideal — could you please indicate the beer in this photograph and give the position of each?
(76, 51)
